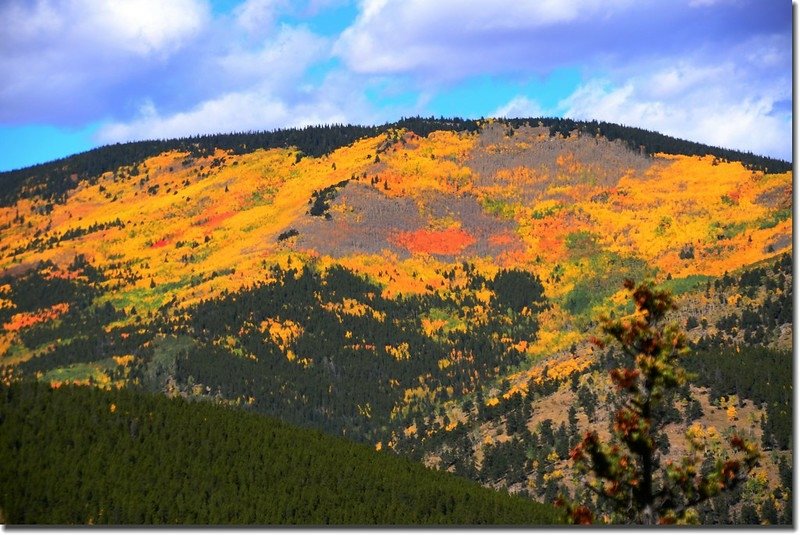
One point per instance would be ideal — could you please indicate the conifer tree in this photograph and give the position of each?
(626, 473)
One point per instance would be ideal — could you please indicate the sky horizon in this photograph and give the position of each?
(86, 73)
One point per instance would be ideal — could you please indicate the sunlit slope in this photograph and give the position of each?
(398, 206)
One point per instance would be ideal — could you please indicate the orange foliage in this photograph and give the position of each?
(282, 333)
(432, 326)
(123, 360)
(502, 238)
(27, 319)
(446, 242)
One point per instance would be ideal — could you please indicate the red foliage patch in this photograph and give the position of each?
(160, 243)
(444, 242)
(216, 219)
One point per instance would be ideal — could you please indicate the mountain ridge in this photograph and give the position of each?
(58, 174)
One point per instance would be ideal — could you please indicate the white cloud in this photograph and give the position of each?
(257, 16)
(709, 3)
(519, 106)
(278, 62)
(57, 56)
(259, 89)
(339, 98)
(140, 27)
(451, 36)
(162, 68)
(232, 112)
(718, 105)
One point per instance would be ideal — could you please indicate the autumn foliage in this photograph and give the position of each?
(441, 242)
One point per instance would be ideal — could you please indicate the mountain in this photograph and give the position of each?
(425, 287)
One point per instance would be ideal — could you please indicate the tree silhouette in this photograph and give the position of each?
(626, 473)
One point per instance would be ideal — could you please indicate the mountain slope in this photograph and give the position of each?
(426, 287)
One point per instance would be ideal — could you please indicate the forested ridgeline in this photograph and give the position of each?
(78, 455)
(53, 180)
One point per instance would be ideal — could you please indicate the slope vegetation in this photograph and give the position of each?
(426, 287)
(88, 456)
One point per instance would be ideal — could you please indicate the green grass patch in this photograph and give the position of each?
(604, 277)
(685, 284)
(147, 298)
(546, 212)
(582, 244)
(452, 321)
(774, 218)
(717, 230)
(142, 298)
(81, 371)
(262, 197)
(499, 207)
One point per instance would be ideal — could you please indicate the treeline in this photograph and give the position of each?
(737, 360)
(78, 335)
(37, 289)
(77, 455)
(53, 180)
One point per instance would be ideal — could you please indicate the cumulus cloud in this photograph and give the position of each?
(232, 112)
(721, 79)
(338, 98)
(153, 68)
(709, 3)
(59, 57)
(257, 88)
(280, 61)
(719, 105)
(162, 68)
(455, 38)
(138, 26)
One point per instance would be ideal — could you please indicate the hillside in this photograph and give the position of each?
(76, 455)
(426, 287)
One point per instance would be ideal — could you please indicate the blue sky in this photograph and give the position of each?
(83, 73)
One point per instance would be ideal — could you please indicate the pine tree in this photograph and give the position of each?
(626, 473)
